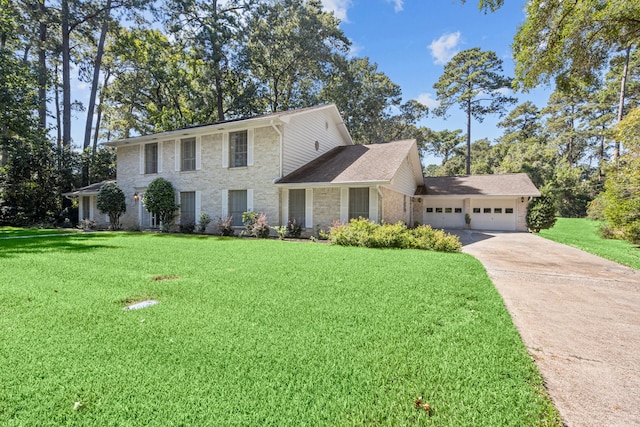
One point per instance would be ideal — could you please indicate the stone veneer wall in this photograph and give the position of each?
(397, 207)
(326, 207)
(521, 209)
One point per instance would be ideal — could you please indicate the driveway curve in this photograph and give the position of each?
(579, 317)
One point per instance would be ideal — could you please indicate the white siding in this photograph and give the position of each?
(404, 180)
(301, 134)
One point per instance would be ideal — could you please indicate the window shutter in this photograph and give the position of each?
(308, 209)
(250, 147)
(373, 204)
(198, 155)
(178, 145)
(141, 159)
(285, 206)
(198, 206)
(344, 205)
(250, 200)
(225, 150)
(224, 207)
(159, 157)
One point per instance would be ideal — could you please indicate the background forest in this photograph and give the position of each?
(157, 65)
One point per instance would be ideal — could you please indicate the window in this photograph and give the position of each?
(476, 210)
(486, 210)
(508, 210)
(297, 206)
(438, 210)
(151, 158)
(448, 210)
(237, 206)
(497, 210)
(86, 207)
(238, 149)
(187, 207)
(458, 210)
(429, 210)
(358, 203)
(188, 154)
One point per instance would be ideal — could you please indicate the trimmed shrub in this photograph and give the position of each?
(205, 220)
(160, 199)
(111, 201)
(362, 232)
(541, 214)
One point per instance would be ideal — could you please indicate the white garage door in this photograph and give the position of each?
(446, 213)
(493, 214)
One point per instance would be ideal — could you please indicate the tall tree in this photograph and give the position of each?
(472, 79)
(290, 50)
(444, 143)
(213, 31)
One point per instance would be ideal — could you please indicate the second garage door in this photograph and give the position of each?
(493, 214)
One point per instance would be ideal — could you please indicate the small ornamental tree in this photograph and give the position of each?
(541, 214)
(159, 199)
(111, 201)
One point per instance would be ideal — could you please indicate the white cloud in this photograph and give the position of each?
(398, 5)
(426, 99)
(444, 48)
(338, 7)
(354, 50)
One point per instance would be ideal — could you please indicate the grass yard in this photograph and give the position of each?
(583, 234)
(252, 332)
(12, 232)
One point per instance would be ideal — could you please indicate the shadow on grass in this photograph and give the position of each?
(71, 242)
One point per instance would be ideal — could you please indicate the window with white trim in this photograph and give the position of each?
(358, 203)
(238, 149)
(151, 158)
(187, 207)
(188, 154)
(237, 206)
(297, 206)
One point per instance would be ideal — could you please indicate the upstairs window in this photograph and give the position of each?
(151, 158)
(188, 154)
(238, 149)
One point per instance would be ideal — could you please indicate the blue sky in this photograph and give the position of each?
(411, 40)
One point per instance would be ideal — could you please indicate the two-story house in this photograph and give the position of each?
(301, 165)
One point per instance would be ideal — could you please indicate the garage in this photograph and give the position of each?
(444, 213)
(493, 214)
(493, 202)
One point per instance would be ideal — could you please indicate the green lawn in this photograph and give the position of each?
(583, 234)
(10, 232)
(252, 332)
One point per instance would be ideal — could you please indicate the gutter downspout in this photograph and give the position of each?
(281, 145)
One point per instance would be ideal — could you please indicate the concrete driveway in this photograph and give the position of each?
(579, 317)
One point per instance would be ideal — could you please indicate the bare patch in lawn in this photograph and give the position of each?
(164, 278)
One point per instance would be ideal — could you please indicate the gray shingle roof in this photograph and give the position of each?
(353, 164)
(515, 184)
(88, 190)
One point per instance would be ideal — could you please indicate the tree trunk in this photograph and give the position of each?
(468, 156)
(623, 86)
(66, 75)
(94, 89)
(42, 68)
